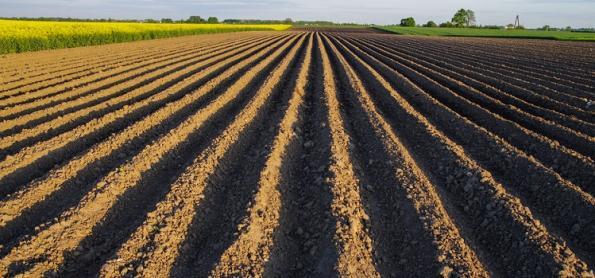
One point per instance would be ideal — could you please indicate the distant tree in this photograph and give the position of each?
(213, 19)
(568, 28)
(545, 28)
(151, 20)
(167, 20)
(464, 18)
(195, 19)
(509, 26)
(408, 22)
(460, 18)
(288, 21)
(430, 24)
(447, 24)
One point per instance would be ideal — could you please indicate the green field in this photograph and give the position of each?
(497, 33)
(21, 36)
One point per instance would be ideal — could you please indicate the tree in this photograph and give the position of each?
(213, 19)
(460, 18)
(195, 19)
(288, 21)
(167, 20)
(464, 18)
(545, 28)
(430, 24)
(408, 22)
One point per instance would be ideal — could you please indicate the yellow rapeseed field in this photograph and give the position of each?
(20, 36)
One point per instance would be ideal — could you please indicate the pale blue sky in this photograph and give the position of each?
(533, 13)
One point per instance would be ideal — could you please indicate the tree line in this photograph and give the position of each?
(195, 19)
(463, 18)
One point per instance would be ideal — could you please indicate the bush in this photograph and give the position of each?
(430, 24)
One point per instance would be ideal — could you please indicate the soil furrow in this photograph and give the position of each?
(316, 152)
(168, 225)
(75, 113)
(557, 84)
(568, 163)
(222, 216)
(502, 226)
(40, 189)
(76, 224)
(30, 102)
(460, 80)
(65, 66)
(103, 70)
(567, 105)
(65, 186)
(538, 185)
(578, 89)
(564, 68)
(54, 69)
(515, 83)
(45, 154)
(251, 251)
(21, 117)
(235, 200)
(303, 244)
(399, 250)
(354, 245)
(116, 95)
(69, 184)
(80, 60)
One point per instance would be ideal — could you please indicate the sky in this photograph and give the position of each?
(533, 13)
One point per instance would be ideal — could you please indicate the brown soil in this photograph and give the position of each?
(313, 152)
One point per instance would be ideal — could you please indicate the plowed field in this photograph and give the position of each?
(299, 153)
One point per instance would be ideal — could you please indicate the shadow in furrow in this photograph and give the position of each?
(574, 168)
(74, 189)
(402, 246)
(135, 64)
(524, 100)
(548, 81)
(233, 185)
(303, 243)
(548, 196)
(32, 124)
(17, 179)
(131, 209)
(494, 233)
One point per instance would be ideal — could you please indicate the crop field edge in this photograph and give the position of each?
(44, 35)
(489, 33)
